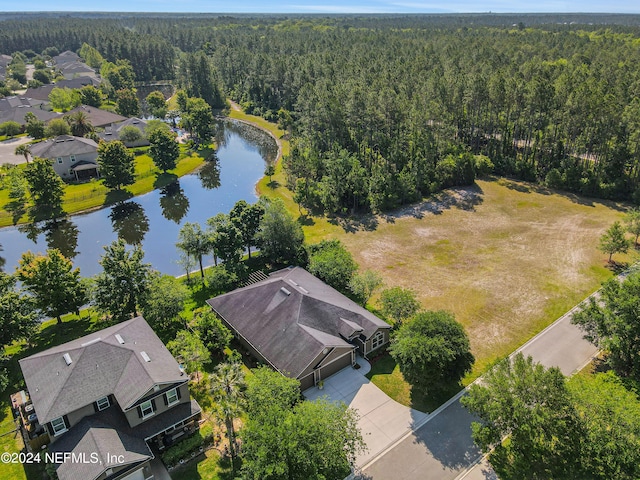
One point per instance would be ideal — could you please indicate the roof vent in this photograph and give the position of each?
(91, 342)
(285, 291)
(292, 282)
(304, 290)
(119, 338)
(67, 358)
(145, 356)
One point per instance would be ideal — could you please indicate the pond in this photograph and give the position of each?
(154, 219)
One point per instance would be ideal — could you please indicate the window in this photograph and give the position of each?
(103, 403)
(72, 158)
(172, 396)
(59, 159)
(146, 409)
(377, 341)
(59, 426)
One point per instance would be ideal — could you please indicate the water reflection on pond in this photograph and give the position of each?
(154, 219)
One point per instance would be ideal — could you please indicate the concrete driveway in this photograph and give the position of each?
(382, 420)
(8, 148)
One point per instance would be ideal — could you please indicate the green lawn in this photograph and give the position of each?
(93, 194)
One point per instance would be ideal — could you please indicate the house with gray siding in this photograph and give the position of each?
(73, 158)
(299, 325)
(116, 395)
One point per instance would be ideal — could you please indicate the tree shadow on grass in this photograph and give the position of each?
(16, 209)
(116, 196)
(306, 220)
(430, 400)
(617, 267)
(354, 224)
(526, 187)
(40, 213)
(164, 179)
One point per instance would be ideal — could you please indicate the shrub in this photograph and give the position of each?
(184, 448)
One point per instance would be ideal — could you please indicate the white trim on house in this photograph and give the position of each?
(172, 393)
(101, 403)
(146, 406)
(56, 430)
(377, 340)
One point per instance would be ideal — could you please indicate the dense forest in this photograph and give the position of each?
(385, 110)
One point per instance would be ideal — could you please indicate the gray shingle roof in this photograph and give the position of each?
(100, 366)
(63, 146)
(42, 92)
(17, 114)
(66, 56)
(97, 116)
(292, 316)
(93, 436)
(10, 103)
(113, 132)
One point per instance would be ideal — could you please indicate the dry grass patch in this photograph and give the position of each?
(505, 257)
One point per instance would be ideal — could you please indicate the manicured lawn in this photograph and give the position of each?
(385, 374)
(93, 194)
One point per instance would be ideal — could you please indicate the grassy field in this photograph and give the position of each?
(507, 258)
(85, 196)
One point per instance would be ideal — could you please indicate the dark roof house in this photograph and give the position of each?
(301, 326)
(10, 103)
(97, 116)
(19, 113)
(42, 92)
(66, 56)
(110, 394)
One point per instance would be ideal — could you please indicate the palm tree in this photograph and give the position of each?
(79, 123)
(24, 149)
(227, 387)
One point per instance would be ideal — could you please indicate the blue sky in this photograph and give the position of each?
(329, 6)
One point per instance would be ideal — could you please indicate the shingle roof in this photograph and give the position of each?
(72, 67)
(113, 132)
(66, 56)
(92, 437)
(292, 316)
(100, 365)
(42, 92)
(97, 116)
(10, 103)
(17, 114)
(63, 146)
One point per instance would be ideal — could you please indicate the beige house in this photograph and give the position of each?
(299, 325)
(73, 158)
(114, 397)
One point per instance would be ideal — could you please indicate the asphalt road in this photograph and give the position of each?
(442, 448)
(8, 148)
